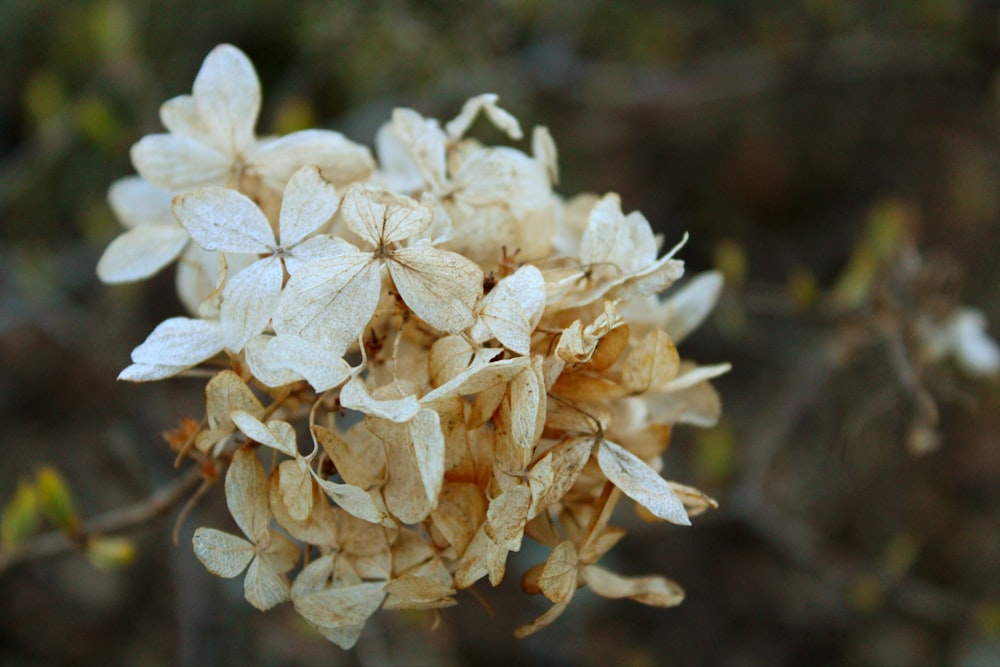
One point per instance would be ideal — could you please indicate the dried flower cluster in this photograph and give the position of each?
(464, 357)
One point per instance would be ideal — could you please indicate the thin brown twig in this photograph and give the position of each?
(57, 543)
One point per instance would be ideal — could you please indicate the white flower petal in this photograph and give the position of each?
(141, 252)
(150, 372)
(691, 304)
(641, 483)
(180, 115)
(308, 202)
(247, 494)
(227, 94)
(263, 587)
(340, 160)
(271, 374)
(275, 434)
(487, 102)
(441, 287)
(249, 300)
(428, 450)
(330, 301)
(176, 162)
(382, 217)
(137, 202)
(355, 396)
(223, 219)
(180, 341)
(321, 368)
(222, 554)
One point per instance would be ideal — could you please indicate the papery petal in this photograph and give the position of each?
(425, 142)
(249, 300)
(180, 115)
(441, 287)
(227, 94)
(323, 369)
(137, 202)
(263, 587)
(150, 372)
(641, 483)
(222, 554)
(246, 494)
(428, 450)
(224, 219)
(355, 396)
(341, 606)
(330, 301)
(176, 162)
(382, 217)
(317, 247)
(259, 362)
(654, 591)
(308, 202)
(487, 102)
(141, 252)
(341, 161)
(691, 304)
(356, 502)
(276, 434)
(180, 341)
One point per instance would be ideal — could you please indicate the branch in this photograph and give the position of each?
(56, 543)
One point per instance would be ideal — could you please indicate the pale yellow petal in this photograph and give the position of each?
(222, 554)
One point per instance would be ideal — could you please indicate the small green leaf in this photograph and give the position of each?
(20, 516)
(56, 500)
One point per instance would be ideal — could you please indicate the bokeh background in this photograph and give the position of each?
(804, 145)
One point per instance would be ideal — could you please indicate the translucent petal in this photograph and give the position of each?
(176, 162)
(693, 375)
(691, 304)
(382, 217)
(249, 299)
(355, 396)
(258, 360)
(330, 301)
(263, 587)
(441, 287)
(320, 367)
(425, 142)
(138, 202)
(654, 591)
(222, 554)
(341, 606)
(641, 483)
(340, 160)
(557, 580)
(308, 202)
(652, 364)
(226, 393)
(227, 94)
(356, 502)
(295, 486)
(149, 372)
(180, 341)
(224, 219)
(180, 116)
(276, 434)
(141, 252)
(487, 102)
(246, 494)
(428, 450)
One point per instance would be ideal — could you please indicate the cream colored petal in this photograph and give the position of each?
(246, 494)
(652, 364)
(641, 483)
(425, 142)
(695, 375)
(654, 591)
(340, 160)
(356, 502)
(222, 554)
(295, 486)
(507, 515)
(479, 376)
(355, 396)
(224, 219)
(543, 149)
(360, 458)
(276, 434)
(381, 217)
(180, 116)
(149, 372)
(138, 202)
(341, 606)
(256, 354)
(330, 301)
(308, 202)
(226, 393)
(460, 511)
(686, 309)
(567, 460)
(281, 554)
(428, 450)
(319, 527)
(487, 103)
(263, 587)
(180, 341)
(141, 252)
(441, 287)
(227, 94)
(542, 621)
(249, 299)
(175, 162)
(449, 356)
(322, 368)
(513, 308)
(557, 580)
(404, 492)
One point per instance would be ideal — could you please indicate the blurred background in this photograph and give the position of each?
(839, 161)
